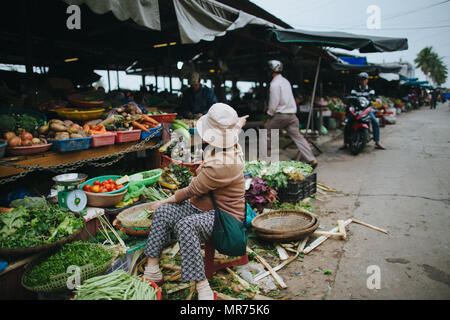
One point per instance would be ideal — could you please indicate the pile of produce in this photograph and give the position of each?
(277, 174)
(129, 117)
(77, 253)
(118, 285)
(138, 219)
(259, 195)
(151, 194)
(35, 224)
(23, 139)
(102, 187)
(175, 176)
(61, 130)
(18, 122)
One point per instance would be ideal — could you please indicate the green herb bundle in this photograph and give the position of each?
(77, 253)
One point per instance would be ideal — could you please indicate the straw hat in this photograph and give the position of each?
(219, 126)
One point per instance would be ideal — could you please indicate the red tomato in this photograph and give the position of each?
(110, 188)
(96, 183)
(119, 186)
(96, 188)
(110, 181)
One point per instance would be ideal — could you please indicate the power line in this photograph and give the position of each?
(415, 10)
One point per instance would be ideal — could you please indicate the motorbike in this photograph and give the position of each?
(358, 122)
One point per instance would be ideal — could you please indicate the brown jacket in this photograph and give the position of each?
(222, 173)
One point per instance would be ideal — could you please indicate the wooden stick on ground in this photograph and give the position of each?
(171, 267)
(191, 291)
(178, 288)
(300, 248)
(321, 239)
(277, 278)
(327, 233)
(175, 276)
(221, 296)
(281, 252)
(369, 226)
(243, 283)
(341, 229)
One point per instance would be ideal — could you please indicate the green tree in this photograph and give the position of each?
(432, 65)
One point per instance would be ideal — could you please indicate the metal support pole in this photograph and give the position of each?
(109, 82)
(117, 73)
(313, 95)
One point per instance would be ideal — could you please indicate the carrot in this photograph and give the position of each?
(139, 126)
(151, 125)
(148, 119)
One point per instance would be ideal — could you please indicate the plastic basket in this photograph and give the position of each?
(58, 282)
(165, 161)
(103, 178)
(2, 148)
(299, 190)
(105, 139)
(144, 134)
(128, 136)
(166, 117)
(67, 145)
(148, 181)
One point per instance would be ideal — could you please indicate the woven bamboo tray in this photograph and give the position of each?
(288, 236)
(45, 247)
(283, 221)
(58, 283)
(131, 229)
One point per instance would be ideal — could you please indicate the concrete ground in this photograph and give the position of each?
(405, 190)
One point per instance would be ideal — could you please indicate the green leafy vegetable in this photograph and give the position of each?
(23, 228)
(182, 174)
(77, 253)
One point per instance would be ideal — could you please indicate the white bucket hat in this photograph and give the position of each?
(219, 126)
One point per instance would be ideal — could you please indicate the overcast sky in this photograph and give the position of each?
(424, 23)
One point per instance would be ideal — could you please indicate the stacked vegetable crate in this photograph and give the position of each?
(299, 190)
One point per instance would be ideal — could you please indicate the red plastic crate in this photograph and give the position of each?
(165, 161)
(167, 117)
(104, 139)
(127, 136)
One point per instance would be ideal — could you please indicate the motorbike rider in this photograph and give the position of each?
(363, 90)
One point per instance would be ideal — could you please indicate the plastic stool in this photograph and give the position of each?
(211, 267)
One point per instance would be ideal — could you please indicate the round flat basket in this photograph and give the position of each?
(288, 236)
(58, 283)
(282, 221)
(125, 223)
(45, 247)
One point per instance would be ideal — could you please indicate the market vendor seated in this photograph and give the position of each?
(189, 212)
(197, 99)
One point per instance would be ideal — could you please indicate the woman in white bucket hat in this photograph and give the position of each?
(189, 212)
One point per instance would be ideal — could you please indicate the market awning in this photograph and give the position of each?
(144, 13)
(341, 40)
(206, 19)
(371, 67)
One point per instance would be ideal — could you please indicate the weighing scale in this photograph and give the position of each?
(70, 197)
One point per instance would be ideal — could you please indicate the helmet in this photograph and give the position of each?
(275, 66)
(363, 75)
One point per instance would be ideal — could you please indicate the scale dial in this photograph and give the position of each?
(76, 200)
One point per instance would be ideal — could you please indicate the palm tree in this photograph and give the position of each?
(432, 65)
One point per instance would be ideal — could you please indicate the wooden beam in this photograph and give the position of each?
(341, 229)
(369, 226)
(300, 248)
(277, 278)
(321, 239)
(282, 253)
(327, 233)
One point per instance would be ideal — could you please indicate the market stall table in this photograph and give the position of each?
(52, 158)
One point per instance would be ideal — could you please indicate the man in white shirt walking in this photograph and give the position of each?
(282, 111)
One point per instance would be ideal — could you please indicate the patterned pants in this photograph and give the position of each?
(191, 226)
